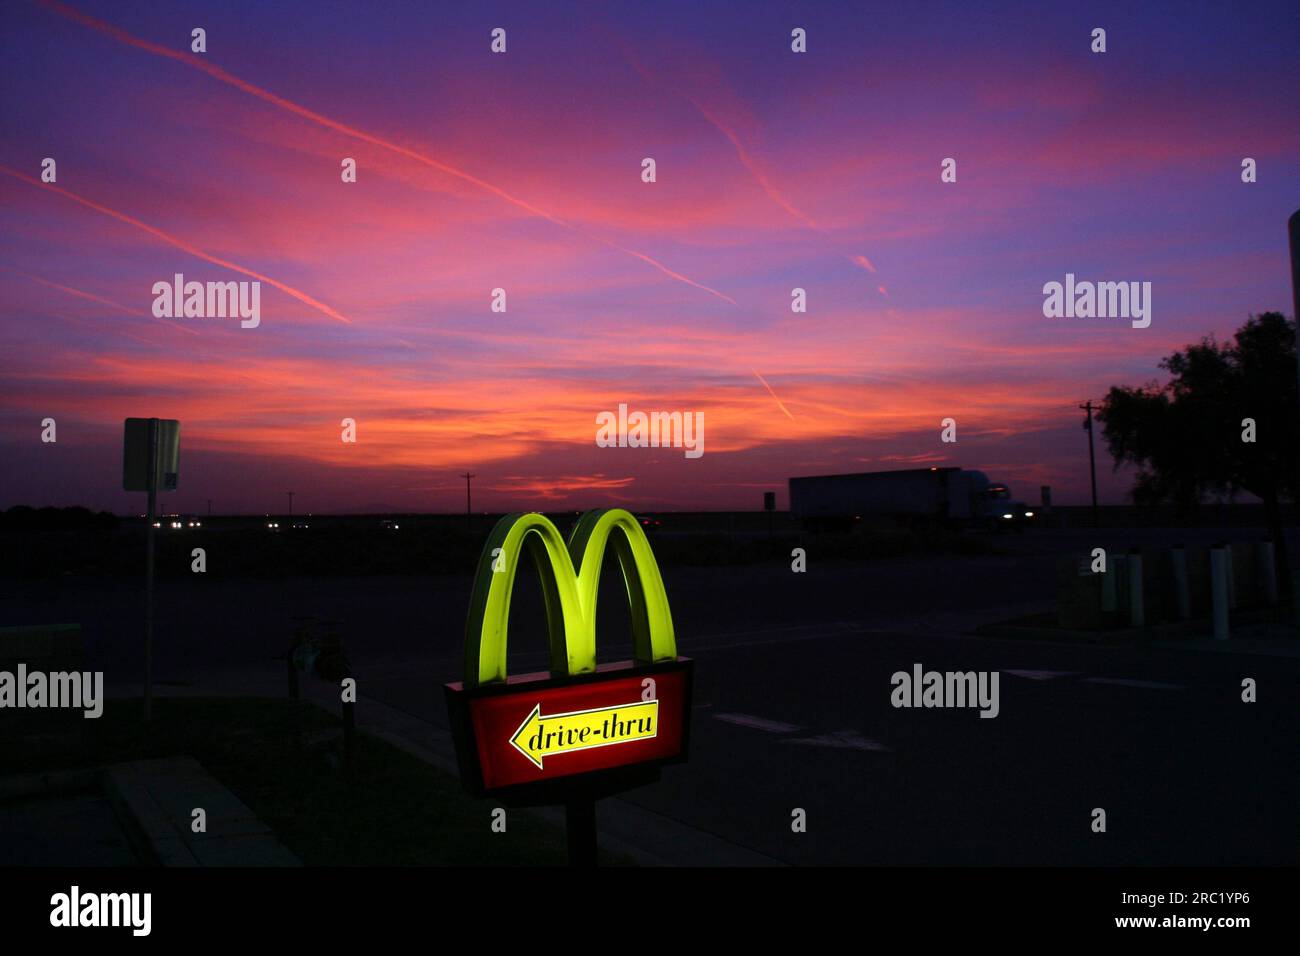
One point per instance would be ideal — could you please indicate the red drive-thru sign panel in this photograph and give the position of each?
(542, 736)
(533, 729)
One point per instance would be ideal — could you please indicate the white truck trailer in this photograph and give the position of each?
(913, 497)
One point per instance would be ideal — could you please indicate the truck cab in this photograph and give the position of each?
(1000, 511)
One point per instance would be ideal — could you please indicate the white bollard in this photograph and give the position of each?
(1182, 594)
(1219, 591)
(1109, 600)
(1136, 610)
(1267, 572)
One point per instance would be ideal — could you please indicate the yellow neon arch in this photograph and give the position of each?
(570, 579)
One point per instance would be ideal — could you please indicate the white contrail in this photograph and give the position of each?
(180, 244)
(230, 79)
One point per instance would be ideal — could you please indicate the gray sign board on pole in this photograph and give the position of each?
(135, 454)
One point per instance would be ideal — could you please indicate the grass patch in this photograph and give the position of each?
(276, 756)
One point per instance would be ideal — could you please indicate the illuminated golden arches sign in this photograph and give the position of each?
(570, 579)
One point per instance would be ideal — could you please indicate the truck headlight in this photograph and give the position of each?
(1008, 515)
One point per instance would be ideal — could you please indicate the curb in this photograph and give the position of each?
(155, 799)
(23, 785)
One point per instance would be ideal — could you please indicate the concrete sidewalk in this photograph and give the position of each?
(649, 838)
(160, 796)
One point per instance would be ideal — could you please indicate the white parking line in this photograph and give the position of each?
(1124, 682)
(759, 723)
(842, 739)
(1042, 675)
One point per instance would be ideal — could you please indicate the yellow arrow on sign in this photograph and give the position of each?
(548, 735)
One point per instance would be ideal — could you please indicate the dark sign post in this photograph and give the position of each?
(579, 732)
(321, 654)
(150, 460)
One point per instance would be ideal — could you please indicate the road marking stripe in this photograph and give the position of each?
(841, 739)
(1042, 675)
(759, 723)
(1123, 682)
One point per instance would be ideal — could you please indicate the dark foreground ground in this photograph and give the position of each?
(793, 702)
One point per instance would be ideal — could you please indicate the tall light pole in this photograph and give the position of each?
(467, 476)
(290, 494)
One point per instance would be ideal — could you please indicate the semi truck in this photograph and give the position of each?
(913, 497)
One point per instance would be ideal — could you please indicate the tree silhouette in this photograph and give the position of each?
(1186, 436)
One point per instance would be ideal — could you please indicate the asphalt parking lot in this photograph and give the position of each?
(793, 705)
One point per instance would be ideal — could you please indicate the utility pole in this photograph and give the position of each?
(290, 494)
(1092, 462)
(209, 507)
(468, 513)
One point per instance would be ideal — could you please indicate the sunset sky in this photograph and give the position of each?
(522, 171)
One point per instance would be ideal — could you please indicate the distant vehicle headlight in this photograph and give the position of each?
(1008, 515)
(1029, 514)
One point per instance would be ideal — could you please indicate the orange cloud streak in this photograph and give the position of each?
(292, 407)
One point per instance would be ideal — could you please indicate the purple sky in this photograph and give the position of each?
(522, 171)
